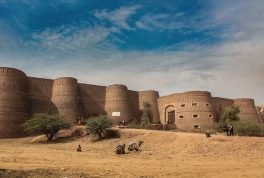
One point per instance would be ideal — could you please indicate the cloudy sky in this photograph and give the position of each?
(166, 45)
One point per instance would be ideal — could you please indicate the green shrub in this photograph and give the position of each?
(248, 129)
(147, 115)
(230, 114)
(48, 124)
(97, 125)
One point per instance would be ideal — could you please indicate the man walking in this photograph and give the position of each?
(226, 129)
(231, 130)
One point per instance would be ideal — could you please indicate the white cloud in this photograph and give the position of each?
(118, 17)
(160, 21)
(71, 38)
(232, 69)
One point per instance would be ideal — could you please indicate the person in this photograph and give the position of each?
(231, 130)
(207, 133)
(79, 122)
(226, 128)
(79, 149)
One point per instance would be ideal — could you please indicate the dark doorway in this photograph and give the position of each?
(171, 117)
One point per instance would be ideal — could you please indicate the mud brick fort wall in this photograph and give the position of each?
(22, 96)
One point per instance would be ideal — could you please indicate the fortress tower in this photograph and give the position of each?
(189, 110)
(248, 110)
(65, 96)
(14, 102)
(117, 103)
(195, 110)
(150, 97)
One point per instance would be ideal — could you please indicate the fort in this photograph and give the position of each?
(21, 96)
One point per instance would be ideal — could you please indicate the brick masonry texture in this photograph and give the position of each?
(22, 96)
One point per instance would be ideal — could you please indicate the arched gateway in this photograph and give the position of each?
(170, 114)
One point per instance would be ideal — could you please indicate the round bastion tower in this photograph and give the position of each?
(150, 97)
(194, 110)
(14, 103)
(117, 103)
(247, 108)
(65, 97)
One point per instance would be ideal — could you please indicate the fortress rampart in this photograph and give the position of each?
(219, 105)
(150, 97)
(14, 101)
(192, 109)
(40, 93)
(22, 96)
(92, 100)
(65, 97)
(117, 103)
(247, 108)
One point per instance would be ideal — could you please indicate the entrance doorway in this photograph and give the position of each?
(171, 117)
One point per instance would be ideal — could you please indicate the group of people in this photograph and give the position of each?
(230, 130)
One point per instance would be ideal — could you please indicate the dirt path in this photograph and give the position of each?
(164, 154)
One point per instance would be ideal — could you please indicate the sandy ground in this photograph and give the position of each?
(164, 154)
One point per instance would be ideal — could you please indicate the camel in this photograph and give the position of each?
(120, 149)
(134, 146)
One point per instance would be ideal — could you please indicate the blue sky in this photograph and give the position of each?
(169, 46)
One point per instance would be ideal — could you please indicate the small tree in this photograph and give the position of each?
(147, 115)
(230, 114)
(97, 125)
(48, 124)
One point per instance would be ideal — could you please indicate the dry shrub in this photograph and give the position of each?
(249, 129)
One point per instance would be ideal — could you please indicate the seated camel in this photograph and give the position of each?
(134, 146)
(120, 149)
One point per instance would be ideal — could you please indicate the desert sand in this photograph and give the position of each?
(164, 154)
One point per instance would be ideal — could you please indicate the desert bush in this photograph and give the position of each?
(48, 124)
(230, 114)
(242, 128)
(97, 125)
(147, 115)
(248, 129)
(137, 126)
